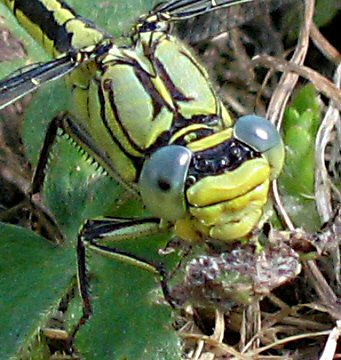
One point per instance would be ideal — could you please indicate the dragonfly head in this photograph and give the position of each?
(154, 21)
(217, 186)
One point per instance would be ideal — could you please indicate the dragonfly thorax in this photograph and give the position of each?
(144, 97)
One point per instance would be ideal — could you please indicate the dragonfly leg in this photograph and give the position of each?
(93, 236)
(64, 122)
(36, 203)
(50, 138)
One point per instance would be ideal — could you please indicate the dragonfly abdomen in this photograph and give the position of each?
(55, 25)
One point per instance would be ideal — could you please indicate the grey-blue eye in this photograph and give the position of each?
(261, 135)
(162, 182)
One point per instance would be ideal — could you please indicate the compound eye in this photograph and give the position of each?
(257, 132)
(261, 135)
(162, 182)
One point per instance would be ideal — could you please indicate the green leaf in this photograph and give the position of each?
(126, 298)
(325, 11)
(301, 123)
(35, 275)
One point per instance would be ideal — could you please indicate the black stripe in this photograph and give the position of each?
(105, 121)
(191, 59)
(175, 92)
(212, 121)
(37, 12)
(137, 162)
(157, 99)
(39, 15)
(119, 122)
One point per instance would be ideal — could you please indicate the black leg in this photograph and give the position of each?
(50, 138)
(83, 289)
(50, 228)
(90, 238)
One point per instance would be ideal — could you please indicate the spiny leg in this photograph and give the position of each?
(64, 124)
(67, 125)
(49, 140)
(95, 233)
(57, 127)
(35, 198)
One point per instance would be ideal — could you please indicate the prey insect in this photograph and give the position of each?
(149, 115)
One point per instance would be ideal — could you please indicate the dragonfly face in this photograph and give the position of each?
(215, 187)
(232, 181)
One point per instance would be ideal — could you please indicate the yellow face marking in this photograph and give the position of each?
(211, 141)
(227, 186)
(226, 211)
(231, 220)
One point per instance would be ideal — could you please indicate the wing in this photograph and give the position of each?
(28, 79)
(213, 23)
(186, 9)
(198, 20)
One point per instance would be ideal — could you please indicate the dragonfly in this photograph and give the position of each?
(148, 114)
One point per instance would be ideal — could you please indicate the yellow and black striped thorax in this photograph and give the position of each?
(155, 94)
(133, 100)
